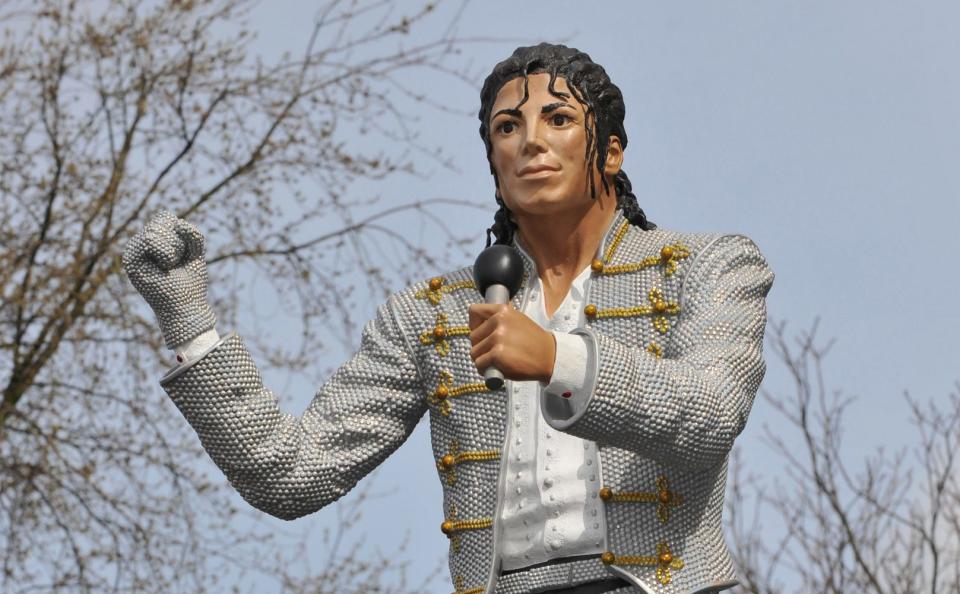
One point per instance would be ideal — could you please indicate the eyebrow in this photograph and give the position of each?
(510, 112)
(553, 107)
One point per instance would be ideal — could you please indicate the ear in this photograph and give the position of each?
(614, 157)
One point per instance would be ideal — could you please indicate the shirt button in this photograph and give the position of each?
(548, 482)
(549, 452)
(589, 462)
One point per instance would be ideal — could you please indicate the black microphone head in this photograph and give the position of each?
(498, 265)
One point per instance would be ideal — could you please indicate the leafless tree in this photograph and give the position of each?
(109, 111)
(889, 525)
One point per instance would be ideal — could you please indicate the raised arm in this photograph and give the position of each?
(686, 408)
(281, 464)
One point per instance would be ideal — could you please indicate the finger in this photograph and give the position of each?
(489, 358)
(161, 218)
(478, 312)
(485, 329)
(192, 239)
(483, 346)
(163, 247)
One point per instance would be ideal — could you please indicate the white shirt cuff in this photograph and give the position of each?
(569, 379)
(194, 349)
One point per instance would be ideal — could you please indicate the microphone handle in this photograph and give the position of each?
(492, 376)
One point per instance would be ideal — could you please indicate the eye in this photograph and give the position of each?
(506, 127)
(559, 119)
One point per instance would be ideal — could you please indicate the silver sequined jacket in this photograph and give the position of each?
(676, 324)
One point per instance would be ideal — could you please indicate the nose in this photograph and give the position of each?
(533, 141)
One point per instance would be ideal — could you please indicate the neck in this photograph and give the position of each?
(563, 244)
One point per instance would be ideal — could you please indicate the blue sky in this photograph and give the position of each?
(829, 132)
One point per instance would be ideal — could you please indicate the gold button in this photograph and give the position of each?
(447, 461)
(606, 493)
(596, 266)
(590, 310)
(660, 306)
(439, 332)
(666, 558)
(446, 527)
(607, 558)
(436, 283)
(442, 392)
(666, 252)
(664, 496)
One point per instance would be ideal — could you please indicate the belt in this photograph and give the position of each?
(591, 587)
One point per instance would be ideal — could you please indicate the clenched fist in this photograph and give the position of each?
(164, 261)
(515, 344)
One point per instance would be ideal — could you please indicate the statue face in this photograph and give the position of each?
(539, 149)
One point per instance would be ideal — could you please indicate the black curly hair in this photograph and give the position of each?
(590, 85)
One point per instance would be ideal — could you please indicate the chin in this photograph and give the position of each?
(547, 203)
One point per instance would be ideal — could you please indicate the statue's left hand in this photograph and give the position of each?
(165, 263)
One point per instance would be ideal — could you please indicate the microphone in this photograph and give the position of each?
(498, 273)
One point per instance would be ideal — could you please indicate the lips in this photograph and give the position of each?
(532, 169)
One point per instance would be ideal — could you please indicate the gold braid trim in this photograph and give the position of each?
(452, 527)
(437, 336)
(458, 584)
(436, 288)
(475, 524)
(617, 238)
(479, 456)
(668, 257)
(446, 464)
(659, 308)
(664, 561)
(663, 497)
(634, 497)
(446, 390)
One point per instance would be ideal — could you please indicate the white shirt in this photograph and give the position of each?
(551, 508)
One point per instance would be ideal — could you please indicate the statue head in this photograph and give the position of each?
(601, 101)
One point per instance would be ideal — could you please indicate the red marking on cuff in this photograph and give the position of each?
(179, 358)
(567, 394)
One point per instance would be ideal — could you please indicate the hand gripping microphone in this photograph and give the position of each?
(498, 273)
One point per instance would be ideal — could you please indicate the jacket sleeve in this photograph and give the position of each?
(686, 408)
(288, 466)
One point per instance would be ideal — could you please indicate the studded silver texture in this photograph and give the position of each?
(666, 419)
(164, 261)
